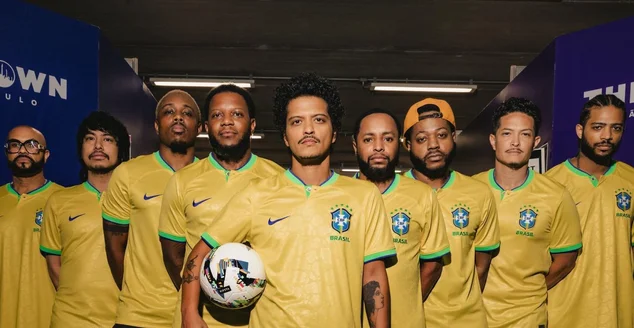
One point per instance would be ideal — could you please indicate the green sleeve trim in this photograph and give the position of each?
(48, 251)
(210, 241)
(115, 220)
(565, 249)
(172, 237)
(438, 254)
(487, 248)
(379, 255)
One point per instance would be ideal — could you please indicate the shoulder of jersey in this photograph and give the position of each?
(268, 166)
(548, 183)
(626, 170)
(4, 190)
(482, 177)
(415, 185)
(138, 163)
(194, 169)
(65, 193)
(557, 169)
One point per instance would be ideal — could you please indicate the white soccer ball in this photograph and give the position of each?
(232, 276)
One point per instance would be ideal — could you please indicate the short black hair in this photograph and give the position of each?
(228, 88)
(307, 84)
(517, 105)
(598, 102)
(357, 124)
(104, 122)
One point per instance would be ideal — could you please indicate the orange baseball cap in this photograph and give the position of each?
(427, 105)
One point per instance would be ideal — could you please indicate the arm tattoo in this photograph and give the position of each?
(373, 300)
(189, 275)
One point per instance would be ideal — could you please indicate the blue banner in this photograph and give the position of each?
(591, 62)
(49, 80)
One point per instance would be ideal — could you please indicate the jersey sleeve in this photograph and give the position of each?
(172, 221)
(632, 235)
(378, 231)
(566, 227)
(116, 205)
(50, 238)
(487, 236)
(233, 223)
(434, 242)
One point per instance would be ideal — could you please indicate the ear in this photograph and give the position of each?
(579, 130)
(492, 141)
(538, 139)
(47, 153)
(453, 135)
(286, 140)
(200, 128)
(408, 145)
(252, 125)
(334, 137)
(156, 127)
(354, 145)
(206, 127)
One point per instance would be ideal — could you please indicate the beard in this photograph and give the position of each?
(102, 169)
(18, 170)
(378, 174)
(513, 165)
(181, 147)
(231, 154)
(437, 173)
(588, 151)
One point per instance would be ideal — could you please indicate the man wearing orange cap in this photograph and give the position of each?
(469, 214)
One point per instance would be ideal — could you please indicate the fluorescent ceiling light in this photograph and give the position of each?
(256, 136)
(199, 83)
(415, 87)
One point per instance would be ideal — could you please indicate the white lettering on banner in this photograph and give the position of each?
(30, 81)
(27, 80)
(631, 113)
(622, 92)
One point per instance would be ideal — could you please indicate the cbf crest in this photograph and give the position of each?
(460, 215)
(623, 199)
(341, 215)
(38, 217)
(528, 216)
(400, 221)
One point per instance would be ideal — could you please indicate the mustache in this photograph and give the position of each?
(15, 160)
(604, 143)
(95, 153)
(307, 138)
(513, 150)
(435, 153)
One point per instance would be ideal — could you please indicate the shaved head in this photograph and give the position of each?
(25, 132)
(189, 101)
(26, 151)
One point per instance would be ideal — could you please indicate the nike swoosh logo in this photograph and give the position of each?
(194, 203)
(146, 197)
(272, 222)
(71, 218)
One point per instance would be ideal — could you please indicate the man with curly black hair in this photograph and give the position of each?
(321, 236)
(72, 237)
(539, 225)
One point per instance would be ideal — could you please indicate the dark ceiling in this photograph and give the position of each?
(354, 40)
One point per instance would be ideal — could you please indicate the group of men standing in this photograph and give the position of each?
(508, 247)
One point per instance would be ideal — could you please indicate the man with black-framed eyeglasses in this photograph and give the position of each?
(26, 292)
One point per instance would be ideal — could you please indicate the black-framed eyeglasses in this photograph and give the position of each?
(32, 146)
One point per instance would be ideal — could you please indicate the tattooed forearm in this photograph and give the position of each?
(189, 275)
(173, 257)
(374, 300)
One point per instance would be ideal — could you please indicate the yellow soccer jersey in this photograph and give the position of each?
(87, 295)
(418, 233)
(313, 240)
(133, 197)
(189, 205)
(536, 219)
(26, 291)
(471, 221)
(599, 292)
